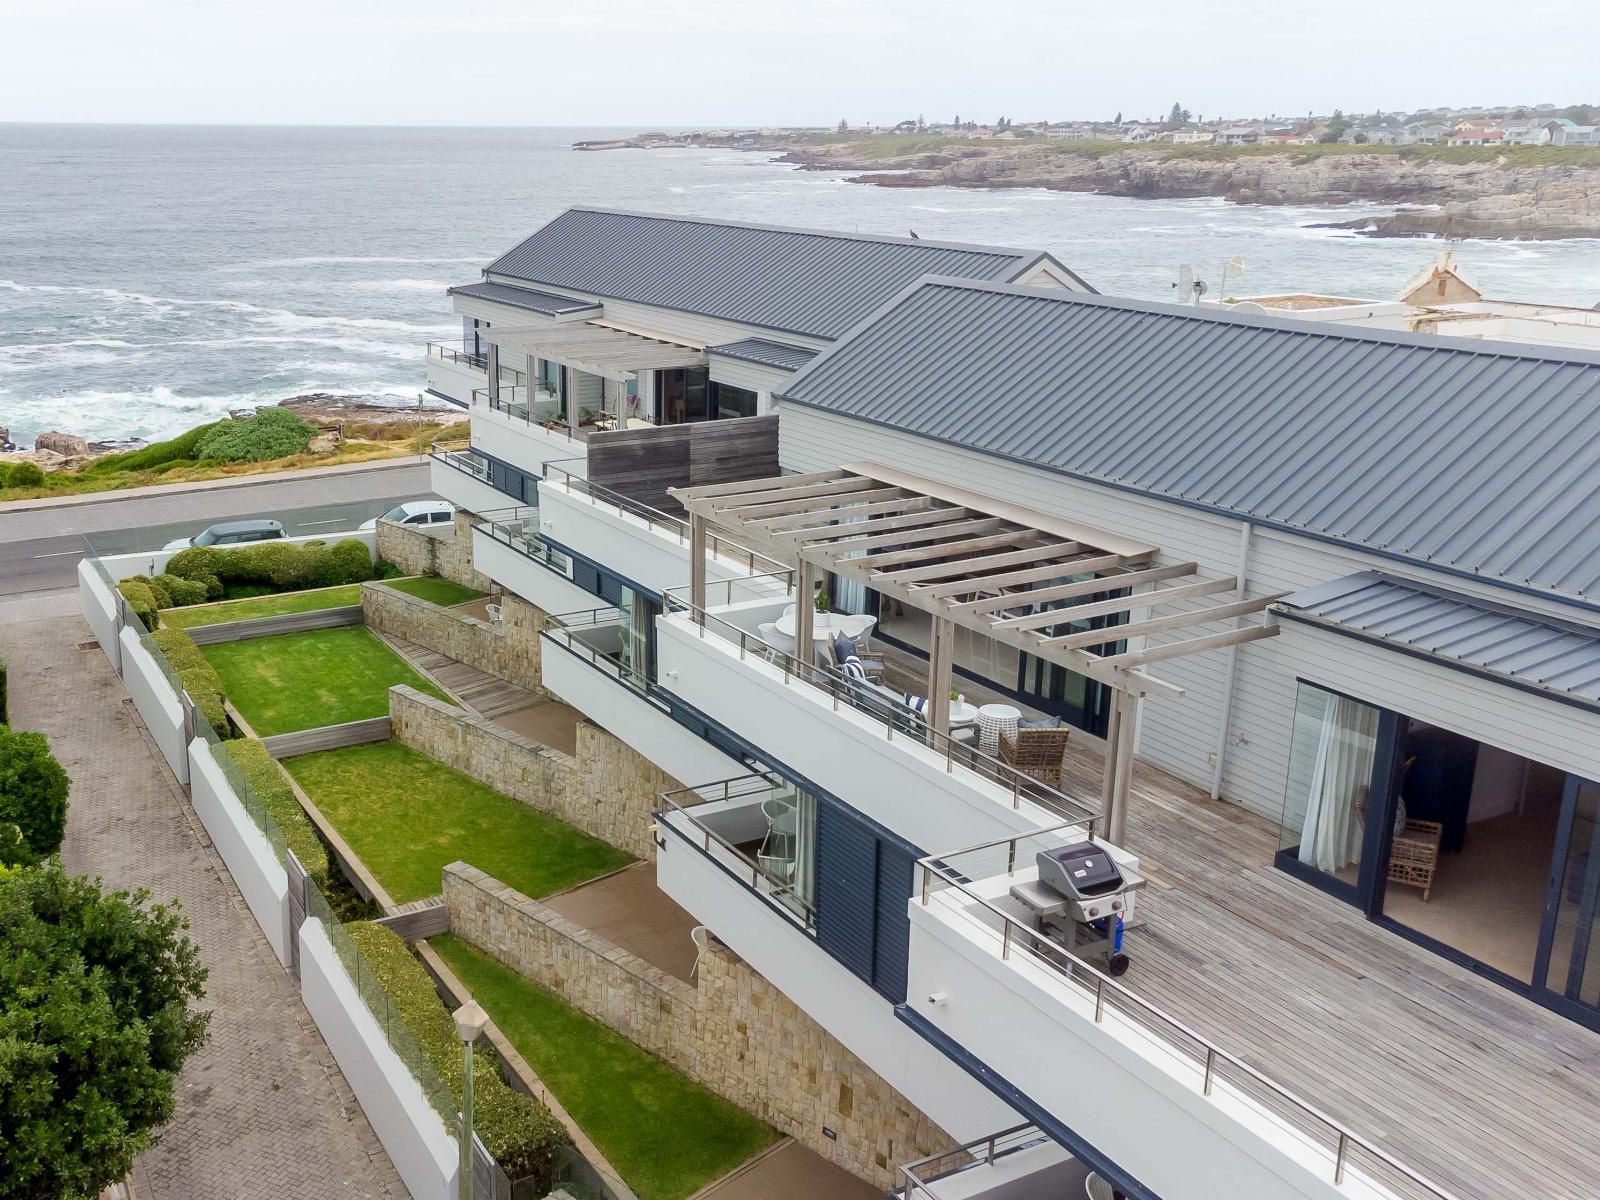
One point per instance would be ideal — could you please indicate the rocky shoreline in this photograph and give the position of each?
(55, 448)
(1436, 193)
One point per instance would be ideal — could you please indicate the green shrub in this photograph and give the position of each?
(25, 475)
(3, 717)
(271, 433)
(183, 591)
(522, 1134)
(384, 569)
(197, 675)
(197, 562)
(169, 453)
(157, 589)
(141, 600)
(5, 475)
(33, 793)
(274, 566)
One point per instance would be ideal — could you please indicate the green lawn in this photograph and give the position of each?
(407, 816)
(666, 1134)
(443, 592)
(261, 606)
(303, 680)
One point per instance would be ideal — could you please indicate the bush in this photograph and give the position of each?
(197, 675)
(5, 474)
(276, 566)
(33, 791)
(25, 475)
(141, 599)
(3, 717)
(384, 569)
(522, 1134)
(165, 454)
(157, 589)
(183, 591)
(101, 1009)
(271, 433)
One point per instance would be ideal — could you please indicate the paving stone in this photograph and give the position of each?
(263, 1110)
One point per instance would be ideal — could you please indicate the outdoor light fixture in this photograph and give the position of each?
(470, 1022)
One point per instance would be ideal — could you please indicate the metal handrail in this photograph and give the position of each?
(563, 630)
(459, 455)
(461, 357)
(781, 890)
(895, 719)
(1020, 937)
(979, 1152)
(717, 545)
(497, 523)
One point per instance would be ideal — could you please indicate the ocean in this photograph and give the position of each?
(152, 278)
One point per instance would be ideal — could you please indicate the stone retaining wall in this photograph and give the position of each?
(419, 553)
(732, 1031)
(509, 650)
(607, 789)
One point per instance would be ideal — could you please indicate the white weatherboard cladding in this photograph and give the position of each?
(250, 858)
(421, 1148)
(846, 1007)
(754, 377)
(1179, 734)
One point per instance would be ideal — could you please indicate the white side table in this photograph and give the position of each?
(993, 720)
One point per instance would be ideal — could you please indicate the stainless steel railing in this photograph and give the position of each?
(753, 787)
(980, 1152)
(459, 455)
(517, 528)
(896, 719)
(567, 630)
(1214, 1070)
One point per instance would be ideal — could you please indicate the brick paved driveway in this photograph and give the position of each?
(263, 1110)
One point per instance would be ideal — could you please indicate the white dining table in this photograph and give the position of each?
(820, 623)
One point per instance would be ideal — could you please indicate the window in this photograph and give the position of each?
(728, 401)
(1332, 751)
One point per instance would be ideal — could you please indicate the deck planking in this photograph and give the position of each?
(487, 695)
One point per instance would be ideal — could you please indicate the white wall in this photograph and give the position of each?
(523, 444)
(455, 380)
(536, 584)
(422, 1149)
(897, 781)
(1125, 1092)
(157, 703)
(249, 856)
(98, 603)
(842, 1004)
(616, 707)
(751, 376)
(465, 491)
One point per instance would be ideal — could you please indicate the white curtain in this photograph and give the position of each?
(1330, 839)
(805, 849)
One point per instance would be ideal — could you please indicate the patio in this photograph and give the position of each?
(627, 909)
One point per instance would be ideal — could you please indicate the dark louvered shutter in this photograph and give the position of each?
(896, 865)
(847, 867)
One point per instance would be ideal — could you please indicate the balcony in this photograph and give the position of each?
(506, 547)
(858, 743)
(462, 477)
(455, 369)
(1019, 1163)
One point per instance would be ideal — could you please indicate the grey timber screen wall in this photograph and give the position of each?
(642, 464)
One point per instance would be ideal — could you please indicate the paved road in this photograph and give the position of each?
(40, 548)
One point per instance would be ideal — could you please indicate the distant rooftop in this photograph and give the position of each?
(810, 282)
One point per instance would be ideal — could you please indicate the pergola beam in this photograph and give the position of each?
(834, 518)
(1010, 537)
(963, 528)
(986, 562)
(1104, 608)
(1082, 587)
(1234, 637)
(1183, 620)
(1079, 566)
(751, 487)
(838, 491)
(858, 535)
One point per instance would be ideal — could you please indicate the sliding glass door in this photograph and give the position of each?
(1568, 961)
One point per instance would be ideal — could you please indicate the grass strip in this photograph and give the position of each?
(443, 592)
(262, 606)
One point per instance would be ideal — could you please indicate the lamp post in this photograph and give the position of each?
(470, 1021)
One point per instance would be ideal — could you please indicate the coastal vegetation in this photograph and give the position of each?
(222, 449)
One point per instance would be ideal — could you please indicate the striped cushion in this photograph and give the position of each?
(917, 704)
(854, 670)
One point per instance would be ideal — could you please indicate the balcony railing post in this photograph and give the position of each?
(927, 881)
(1211, 1066)
(1099, 997)
(1338, 1161)
(988, 1157)
(1005, 941)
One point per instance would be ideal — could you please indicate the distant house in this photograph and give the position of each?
(1192, 137)
(1574, 135)
(1476, 137)
(1071, 133)
(1238, 135)
(1141, 133)
(1426, 133)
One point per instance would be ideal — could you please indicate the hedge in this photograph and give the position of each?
(198, 676)
(522, 1134)
(141, 599)
(283, 566)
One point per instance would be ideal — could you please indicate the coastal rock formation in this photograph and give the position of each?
(1497, 198)
(67, 445)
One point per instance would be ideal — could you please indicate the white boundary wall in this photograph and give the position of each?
(157, 703)
(100, 605)
(249, 856)
(421, 1148)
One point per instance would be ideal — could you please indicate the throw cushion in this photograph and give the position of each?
(853, 669)
(1041, 723)
(917, 704)
(844, 649)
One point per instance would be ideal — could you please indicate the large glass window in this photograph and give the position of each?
(728, 401)
(1332, 750)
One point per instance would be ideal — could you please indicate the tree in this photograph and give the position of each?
(98, 996)
(844, 126)
(33, 796)
(1179, 115)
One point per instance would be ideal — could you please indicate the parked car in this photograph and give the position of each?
(417, 512)
(231, 533)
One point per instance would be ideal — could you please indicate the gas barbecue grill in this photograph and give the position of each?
(1080, 900)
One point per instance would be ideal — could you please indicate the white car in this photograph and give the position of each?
(417, 512)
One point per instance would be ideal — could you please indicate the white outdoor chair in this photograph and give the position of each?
(1098, 1189)
(774, 640)
(496, 613)
(700, 935)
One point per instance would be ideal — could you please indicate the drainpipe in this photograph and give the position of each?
(1241, 574)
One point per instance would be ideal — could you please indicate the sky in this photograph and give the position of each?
(720, 62)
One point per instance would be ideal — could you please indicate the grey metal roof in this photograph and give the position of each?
(1482, 458)
(534, 301)
(797, 280)
(767, 354)
(1512, 645)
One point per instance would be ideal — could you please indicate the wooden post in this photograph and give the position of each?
(1108, 778)
(804, 609)
(940, 659)
(697, 565)
(1127, 735)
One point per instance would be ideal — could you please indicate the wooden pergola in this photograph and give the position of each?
(1021, 577)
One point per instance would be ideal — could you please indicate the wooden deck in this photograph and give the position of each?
(1461, 1079)
(485, 694)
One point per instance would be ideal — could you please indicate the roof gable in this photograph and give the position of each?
(1484, 460)
(801, 281)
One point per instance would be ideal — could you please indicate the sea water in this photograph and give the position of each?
(155, 277)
